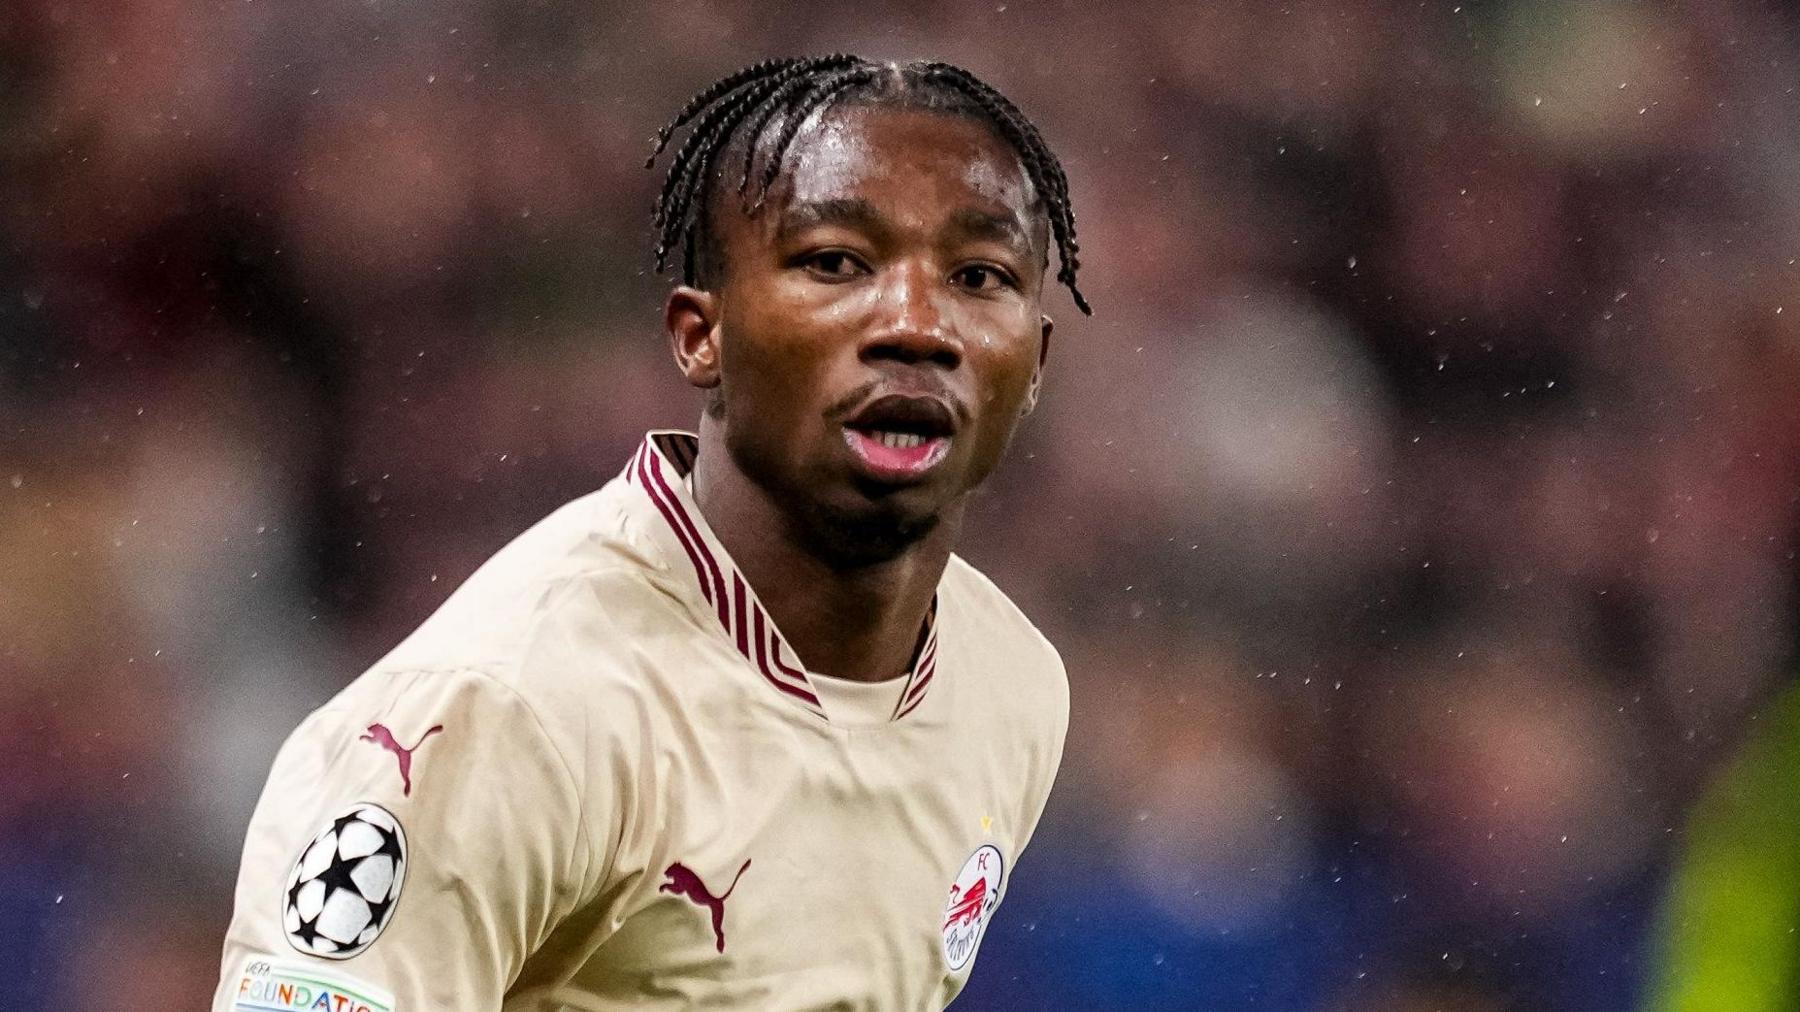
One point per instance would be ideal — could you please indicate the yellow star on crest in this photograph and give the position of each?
(987, 824)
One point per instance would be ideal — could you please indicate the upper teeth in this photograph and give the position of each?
(899, 440)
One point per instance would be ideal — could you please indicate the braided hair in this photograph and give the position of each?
(749, 103)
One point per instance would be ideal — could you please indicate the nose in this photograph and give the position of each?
(913, 321)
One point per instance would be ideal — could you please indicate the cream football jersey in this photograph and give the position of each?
(598, 777)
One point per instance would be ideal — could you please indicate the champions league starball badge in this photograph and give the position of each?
(345, 884)
(973, 896)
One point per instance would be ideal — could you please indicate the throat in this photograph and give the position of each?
(856, 640)
(850, 593)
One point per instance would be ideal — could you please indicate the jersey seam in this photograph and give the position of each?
(581, 815)
(562, 583)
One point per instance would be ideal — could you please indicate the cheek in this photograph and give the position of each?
(1003, 402)
(774, 364)
(1011, 356)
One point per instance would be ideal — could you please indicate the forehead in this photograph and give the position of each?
(918, 167)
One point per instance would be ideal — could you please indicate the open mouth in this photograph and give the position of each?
(901, 438)
(895, 440)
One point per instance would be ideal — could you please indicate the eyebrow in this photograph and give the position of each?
(1001, 228)
(848, 212)
(857, 213)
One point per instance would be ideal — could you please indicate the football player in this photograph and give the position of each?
(738, 729)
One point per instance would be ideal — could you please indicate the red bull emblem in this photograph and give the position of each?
(973, 897)
(968, 907)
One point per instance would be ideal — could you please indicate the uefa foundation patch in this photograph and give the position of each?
(268, 984)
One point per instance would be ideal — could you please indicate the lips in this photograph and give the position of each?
(904, 413)
(900, 438)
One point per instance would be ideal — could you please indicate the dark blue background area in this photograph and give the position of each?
(1074, 933)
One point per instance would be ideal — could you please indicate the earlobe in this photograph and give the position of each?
(691, 318)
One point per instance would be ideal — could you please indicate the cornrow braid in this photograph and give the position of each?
(701, 170)
(746, 103)
(711, 95)
(1040, 163)
(720, 109)
(687, 172)
(782, 98)
(819, 96)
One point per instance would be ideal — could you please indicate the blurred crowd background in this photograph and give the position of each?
(1416, 514)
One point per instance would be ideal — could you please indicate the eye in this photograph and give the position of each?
(836, 264)
(983, 278)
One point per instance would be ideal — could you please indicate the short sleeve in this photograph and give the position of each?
(418, 837)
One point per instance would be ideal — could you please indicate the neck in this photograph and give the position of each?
(858, 622)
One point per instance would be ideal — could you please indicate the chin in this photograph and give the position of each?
(872, 531)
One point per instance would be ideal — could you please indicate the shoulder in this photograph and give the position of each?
(556, 622)
(969, 596)
(574, 588)
(983, 620)
(411, 704)
(418, 751)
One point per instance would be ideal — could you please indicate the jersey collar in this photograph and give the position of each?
(658, 470)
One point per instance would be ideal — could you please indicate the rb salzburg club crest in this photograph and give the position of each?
(973, 896)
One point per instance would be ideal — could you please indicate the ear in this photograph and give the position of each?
(1037, 374)
(692, 318)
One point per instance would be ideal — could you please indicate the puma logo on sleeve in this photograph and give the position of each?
(380, 735)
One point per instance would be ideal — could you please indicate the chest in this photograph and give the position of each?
(796, 865)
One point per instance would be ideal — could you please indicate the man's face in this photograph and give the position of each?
(878, 326)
